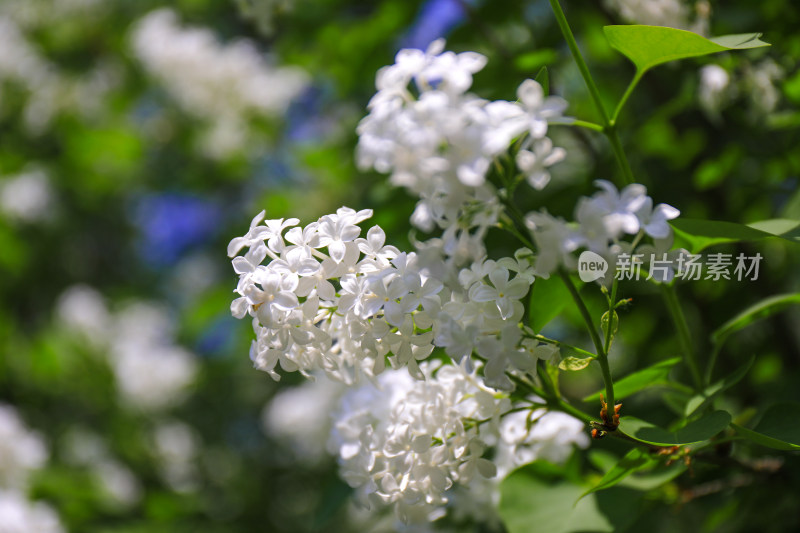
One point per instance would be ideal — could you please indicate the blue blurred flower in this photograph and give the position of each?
(436, 19)
(171, 223)
(220, 334)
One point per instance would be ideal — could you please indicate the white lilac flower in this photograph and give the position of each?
(539, 434)
(603, 221)
(437, 140)
(21, 450)
(406, 443)
(535, 161)
(348, 316)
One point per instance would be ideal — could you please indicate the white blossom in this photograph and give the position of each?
(438, 141)
(406, 443)
(22, 451)
(604, 220)
(26, 197)
(223, 84)
(19, 515)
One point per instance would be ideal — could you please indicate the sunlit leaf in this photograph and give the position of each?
(573, 363)
(649, 46)
(641, 379)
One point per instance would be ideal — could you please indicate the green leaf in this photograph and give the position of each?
(641, 379)
(634, 460)
(606, 324)
(529, 503)
(696, 235)
(655, 478)
(572, 363)
(712, 391)
(697, 431)
(780, 227)
(754, 313)
(649, 46)
(548, 298)
(779, 428)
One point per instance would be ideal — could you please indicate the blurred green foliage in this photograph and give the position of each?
(738, 165)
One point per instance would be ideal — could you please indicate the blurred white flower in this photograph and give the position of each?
(300, 416)
(21, 450)
(714, 84)
(672, 13)
(19, 515)
(119, 485)
(532, 435)
(26, 197)
(83, 310)
(152, 372)
(223, 84)
(176, 445)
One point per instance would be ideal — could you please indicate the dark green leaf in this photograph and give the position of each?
(712, 391)
(548, 298)
(697, 431)
(696, 235)
(634, 460)
(652, 375)
(759, 311)
(779, 428)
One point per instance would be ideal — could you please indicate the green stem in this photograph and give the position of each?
(564, 407)
(576, 54)
(608, 124)
(560, 344)
(684, 337)
(612, 304)
(602, 356)
(711, 362)
(625, 97)
(619, 153)
(582, 124)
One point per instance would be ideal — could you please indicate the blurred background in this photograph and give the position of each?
(138, 137)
